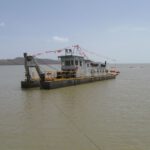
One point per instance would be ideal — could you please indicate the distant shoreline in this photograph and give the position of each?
(20, 61)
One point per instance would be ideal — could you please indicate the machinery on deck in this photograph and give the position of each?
(30, 62)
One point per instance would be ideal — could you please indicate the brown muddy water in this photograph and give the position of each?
(105, 115)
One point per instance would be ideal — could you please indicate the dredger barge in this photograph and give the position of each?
(74, 70)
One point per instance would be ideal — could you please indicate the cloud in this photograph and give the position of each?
(128, 29)
(60, 39)
(118, 29)
(2, 24)
(139, 29)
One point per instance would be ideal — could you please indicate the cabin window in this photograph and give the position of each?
(76, 62)
(72, 63)
(67, 62)
(80, 63)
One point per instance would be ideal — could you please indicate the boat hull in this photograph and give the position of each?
(73, 81)
(31, 84)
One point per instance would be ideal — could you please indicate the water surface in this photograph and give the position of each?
(106, 115)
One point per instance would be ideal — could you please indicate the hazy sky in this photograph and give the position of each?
(118, 29)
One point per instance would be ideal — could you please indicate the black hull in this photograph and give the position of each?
(73, 81)
(31, 84)
(64, 82)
